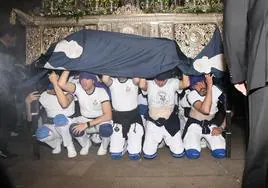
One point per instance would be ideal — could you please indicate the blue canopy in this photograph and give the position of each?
(114, 54)
(125, 55)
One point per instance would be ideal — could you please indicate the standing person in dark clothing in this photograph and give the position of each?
(246, 47)
(7, 83)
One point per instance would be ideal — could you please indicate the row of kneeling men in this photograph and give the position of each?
(115, 114)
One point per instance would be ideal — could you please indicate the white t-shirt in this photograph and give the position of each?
(193, 96)
(164, 96)
(91, 104)
(53, 107)
(124, 95)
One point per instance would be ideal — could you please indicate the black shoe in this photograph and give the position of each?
(4, 154)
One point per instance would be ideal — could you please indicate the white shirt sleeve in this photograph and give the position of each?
(104, 96)
(193, 96)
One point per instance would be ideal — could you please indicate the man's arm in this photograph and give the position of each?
(107, 80)
(64, 84)
(235, 38)
(64, 99)
(136, 81)
(185, 82)
(28, 101)
(107, 116)
(205, 106)
(143, 84)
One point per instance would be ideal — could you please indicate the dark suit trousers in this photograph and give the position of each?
(256, 166)
(8, 119)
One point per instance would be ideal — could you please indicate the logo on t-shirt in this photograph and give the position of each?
(95, 102)
(162, 98)
(128, 89)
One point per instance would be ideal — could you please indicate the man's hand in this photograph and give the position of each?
(209, 80)
(32, 97)
(216, 131)
(53, 78)
(79, 128)
(241, 88)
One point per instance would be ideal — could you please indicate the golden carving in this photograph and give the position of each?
(33, 44)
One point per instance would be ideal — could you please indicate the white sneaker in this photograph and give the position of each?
(101, 151)
(71, 151)
(203, 143)
(84, 150)
(57, 149)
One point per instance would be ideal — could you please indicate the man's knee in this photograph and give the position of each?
(106, 130)
(42, 133)
(60, 120)
(75, 134)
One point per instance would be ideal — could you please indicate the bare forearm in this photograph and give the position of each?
(206, 105)
(185, 82)
(28, 112)
(101, 119)
(62, 82)
(64, 101)
(106, 80)
(143, 84)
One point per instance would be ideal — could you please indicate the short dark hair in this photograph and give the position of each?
(7, 29)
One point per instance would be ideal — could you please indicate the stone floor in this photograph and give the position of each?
(53, 171)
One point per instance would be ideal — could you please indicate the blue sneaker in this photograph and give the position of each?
(134, 157)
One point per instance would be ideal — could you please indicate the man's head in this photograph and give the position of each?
(160, 83)
(8, 35)
(198, 83)
(161, 79)
(122, 79)
(87, 80)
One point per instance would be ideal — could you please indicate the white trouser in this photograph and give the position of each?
(54, 139)
(83, 140)
(194, 134)
(90, 130)
(64, 131)
(183, 121)
(134, 142)
(155, 134)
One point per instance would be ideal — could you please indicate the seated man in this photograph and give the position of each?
(127, 122)
(95, 108)
(55, 102)
(204, 100)
(163, 122)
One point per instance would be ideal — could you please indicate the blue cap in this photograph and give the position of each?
(60, 120)
(42, 132)
(50, 86)
(195, 79)
(87, 76)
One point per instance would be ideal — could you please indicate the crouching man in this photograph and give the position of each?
(127, 122)
(203, 99)
(163, 122)
(95, 108)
